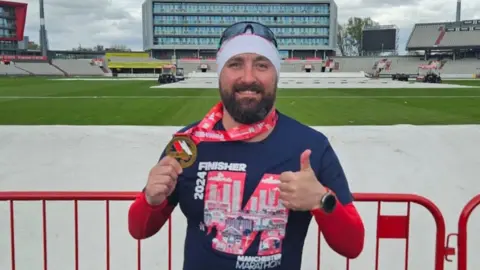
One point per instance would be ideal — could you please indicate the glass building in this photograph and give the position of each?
(192, 29)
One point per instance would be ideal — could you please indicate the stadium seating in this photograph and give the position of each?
(39, 68)
(461, 38)
(12, 70)
(80, 67)
(443, 35)
(58, 67)
(288, 65)
(400, 64)
(424, 35)
(403, 64)
(87, 67)
(196, 65)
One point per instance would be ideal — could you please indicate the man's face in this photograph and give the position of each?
(248, 86)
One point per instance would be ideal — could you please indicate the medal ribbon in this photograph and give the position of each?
(203, 132)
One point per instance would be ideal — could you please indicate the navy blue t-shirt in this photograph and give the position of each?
(230, 199)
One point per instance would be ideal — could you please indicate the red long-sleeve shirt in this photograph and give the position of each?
(343, 229)
(145, 220)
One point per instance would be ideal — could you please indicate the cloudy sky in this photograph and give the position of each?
(71, 23)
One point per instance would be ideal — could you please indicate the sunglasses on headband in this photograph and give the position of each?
(242, 27)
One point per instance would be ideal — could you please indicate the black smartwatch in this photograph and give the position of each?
(328, 202)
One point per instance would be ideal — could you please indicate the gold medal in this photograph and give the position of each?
(183, 149)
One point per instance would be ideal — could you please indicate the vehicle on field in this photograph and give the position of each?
(429, 78)
(166, 78)
(171, 74)
(179, 74)
(401, 77)
(430, 72)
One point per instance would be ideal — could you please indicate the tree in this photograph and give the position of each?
(81, 49)
(351, 34)
(96, 48)
(341, 39)
(99, 48)
(347, 45)
(119, 48)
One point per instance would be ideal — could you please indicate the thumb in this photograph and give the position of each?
(305, 160)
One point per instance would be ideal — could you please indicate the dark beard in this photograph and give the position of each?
(248, 111)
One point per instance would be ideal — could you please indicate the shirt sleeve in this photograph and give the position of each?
(343, 229)
(332, 175)
(145, 220)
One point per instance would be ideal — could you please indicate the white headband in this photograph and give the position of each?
(247, 43)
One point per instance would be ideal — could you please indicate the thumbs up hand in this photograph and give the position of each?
(301, 190)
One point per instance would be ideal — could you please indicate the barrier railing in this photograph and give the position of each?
(462, 234)
(75, 197)
(388, 226)
(397, 227)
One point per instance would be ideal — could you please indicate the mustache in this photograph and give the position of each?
(248, 87)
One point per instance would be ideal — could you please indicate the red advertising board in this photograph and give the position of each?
(23, 58)
(20, 15)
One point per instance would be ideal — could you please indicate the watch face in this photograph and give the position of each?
(329, 203)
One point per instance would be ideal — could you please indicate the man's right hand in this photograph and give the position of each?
(162, 180)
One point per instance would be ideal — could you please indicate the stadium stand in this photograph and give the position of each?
(425, 36)
(78, 67)
(42, 69)
(21, 65)
(56, 68)
(11, 70)
(313, 64)
(191, 64)
(446, 35)
(405, 64)
(465, 68)
(133, 64)
(460, 35)
(140, 64)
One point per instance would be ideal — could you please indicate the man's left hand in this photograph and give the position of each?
(301, 191)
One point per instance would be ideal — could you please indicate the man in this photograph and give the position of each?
(247, 177)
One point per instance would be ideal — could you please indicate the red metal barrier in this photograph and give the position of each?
(462, 234)
(397, 227)
(392, 227)
(75, 197)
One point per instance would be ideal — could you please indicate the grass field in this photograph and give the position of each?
(40, 101)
